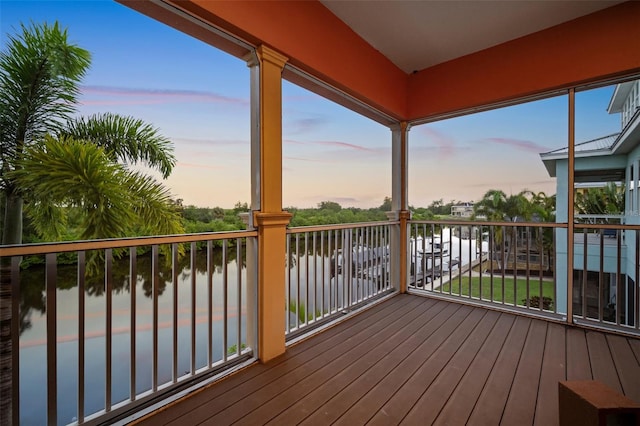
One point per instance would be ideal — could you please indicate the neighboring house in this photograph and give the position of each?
(612, 158)
(462, 210)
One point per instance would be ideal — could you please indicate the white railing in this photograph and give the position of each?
(332, 270)
(104, 328)
(509, 265)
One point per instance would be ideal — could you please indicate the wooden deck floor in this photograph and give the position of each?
(417, 361)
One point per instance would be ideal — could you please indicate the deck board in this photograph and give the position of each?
(602, 365)
(346, 367)
(438, 393)
(402, 401)
(553, 371)
(326, 403)
(578, 363)
(626, 364)
(521, 403)
(416, 360)
(390, 385)
(458, 407)
(490, 405)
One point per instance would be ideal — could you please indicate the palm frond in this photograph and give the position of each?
(39, 76)
(125, 139)
(78, 174)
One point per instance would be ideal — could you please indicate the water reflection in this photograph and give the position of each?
(33, 375)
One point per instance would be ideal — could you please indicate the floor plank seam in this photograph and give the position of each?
(432, 310)
(516, 369)
(431, 307)
(415, 309)
(470, 363)
(400, 386)
(493, 365)
(544, 348)
(444, 367)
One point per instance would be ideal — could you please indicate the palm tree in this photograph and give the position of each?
(52, 165)
(496, 206)
(39, 76)
(608, 200)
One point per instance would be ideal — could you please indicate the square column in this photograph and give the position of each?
(266, 201)
(399, 234)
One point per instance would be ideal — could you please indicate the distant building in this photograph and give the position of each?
(462, 210)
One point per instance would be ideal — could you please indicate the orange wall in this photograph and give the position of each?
(600, 45)
(316, 41)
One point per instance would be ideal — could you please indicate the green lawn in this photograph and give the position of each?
(521, 288)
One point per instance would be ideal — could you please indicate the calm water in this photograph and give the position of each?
(33, 338)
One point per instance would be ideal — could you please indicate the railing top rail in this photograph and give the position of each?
(69, 246)
(487, 223)
(316, 228)
(625, 227)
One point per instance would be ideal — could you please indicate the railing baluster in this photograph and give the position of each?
(225, 316)
(193, 307)
(210, 268)
(619, 293)
(288, 286)
(239, 296)
(155, 271)
(174, 312)
(470, 260)
(133, 282)
(322, 272)
(315, 277)
(541, 266)
(52, 339)
(528, 267)
(298, 281)
(81, 333)
(600, 278)
(306, 277)
(108, 268)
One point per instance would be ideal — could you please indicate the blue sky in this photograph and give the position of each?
(198, 96)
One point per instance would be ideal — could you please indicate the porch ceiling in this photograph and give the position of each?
(416, 35)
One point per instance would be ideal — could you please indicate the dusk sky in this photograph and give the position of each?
(198, 97)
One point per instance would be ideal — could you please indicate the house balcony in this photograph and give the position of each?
(469, 339)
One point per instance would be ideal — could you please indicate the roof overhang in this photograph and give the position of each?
(620, 95)
(590, 48)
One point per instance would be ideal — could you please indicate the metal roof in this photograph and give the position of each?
(599, 144)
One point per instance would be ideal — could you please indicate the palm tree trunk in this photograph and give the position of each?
(12, 230)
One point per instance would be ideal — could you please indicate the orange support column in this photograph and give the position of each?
(399, 188)
(268, 215)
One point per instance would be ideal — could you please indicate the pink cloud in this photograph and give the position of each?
(446, 146)
(304, 125)
(198, 166)
(156, 96)
(519, 144)
(338, 144)
(211, 141)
